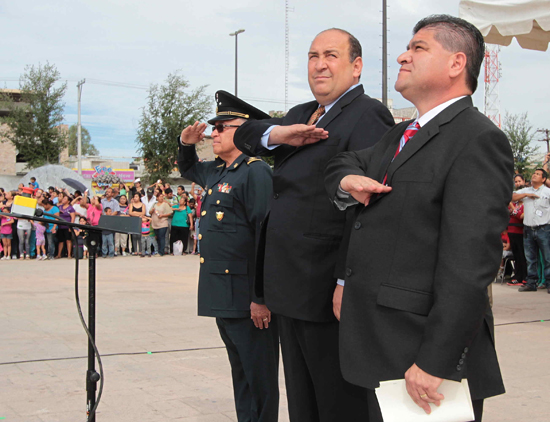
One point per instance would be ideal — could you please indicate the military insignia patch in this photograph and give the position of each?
(224, 188)
(219, 215)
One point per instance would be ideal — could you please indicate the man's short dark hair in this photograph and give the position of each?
(182, 187)
(167, 191)
(33, 179)
(455, 35)
(107, 209)
(544, 173)
(355, 49)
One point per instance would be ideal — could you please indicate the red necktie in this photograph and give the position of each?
(407, 136)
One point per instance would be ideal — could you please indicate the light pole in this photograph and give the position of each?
(235, 34)
(79, 127)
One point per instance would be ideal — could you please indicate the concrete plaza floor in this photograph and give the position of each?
(163, 363)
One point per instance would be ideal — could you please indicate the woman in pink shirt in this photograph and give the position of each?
(6, 230)
(93, 209)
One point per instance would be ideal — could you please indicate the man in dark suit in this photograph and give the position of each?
(237, 189)
(302, 236)
(425, 243)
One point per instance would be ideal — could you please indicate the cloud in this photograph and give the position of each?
(141, 42)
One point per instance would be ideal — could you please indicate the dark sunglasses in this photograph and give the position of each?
(221, 127)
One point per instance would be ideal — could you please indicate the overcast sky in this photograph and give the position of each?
(140, 42)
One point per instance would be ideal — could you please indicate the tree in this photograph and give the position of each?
(34, 124)
(520, 134)
(87, 147)
(170, 108)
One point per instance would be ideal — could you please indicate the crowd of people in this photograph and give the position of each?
(527, 239)
(170, 221)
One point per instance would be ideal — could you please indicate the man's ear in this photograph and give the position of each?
(457, 64)
(357, 67)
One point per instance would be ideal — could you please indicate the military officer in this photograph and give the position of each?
(237, 189)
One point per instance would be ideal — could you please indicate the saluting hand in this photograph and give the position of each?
(296, 135)
(193, 134)
(260, 315)
(362, 188)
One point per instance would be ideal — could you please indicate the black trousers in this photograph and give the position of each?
(254, 358)
(316, 390)
(376, 416)
(179, 233)
(516, 243)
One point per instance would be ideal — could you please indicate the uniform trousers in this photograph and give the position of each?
(254, 358)
(316, 390)
(376, 416)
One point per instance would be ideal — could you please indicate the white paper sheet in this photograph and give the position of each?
(397, 405)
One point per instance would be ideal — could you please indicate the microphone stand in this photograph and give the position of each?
(92, 376)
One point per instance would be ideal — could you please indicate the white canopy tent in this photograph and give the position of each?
(499, 21)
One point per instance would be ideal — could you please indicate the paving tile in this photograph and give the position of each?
(157, 312)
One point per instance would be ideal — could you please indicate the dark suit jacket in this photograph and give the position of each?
(303, 232)
(232, 210)
(421, 257)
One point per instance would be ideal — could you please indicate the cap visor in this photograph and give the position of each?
(222, 118)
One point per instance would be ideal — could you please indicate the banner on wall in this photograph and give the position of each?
(105, 177)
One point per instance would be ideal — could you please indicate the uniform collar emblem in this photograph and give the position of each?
(219, 215)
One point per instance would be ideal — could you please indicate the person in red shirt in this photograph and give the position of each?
(515, 234)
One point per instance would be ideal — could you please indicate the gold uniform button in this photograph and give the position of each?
(202, 260)
(200, 236)
(209, 191)
(236, 164)
(218, 202)
(227, 271)
(203, 213)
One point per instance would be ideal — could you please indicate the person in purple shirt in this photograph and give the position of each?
(67, 213)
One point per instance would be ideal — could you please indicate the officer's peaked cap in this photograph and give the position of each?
(229, 107)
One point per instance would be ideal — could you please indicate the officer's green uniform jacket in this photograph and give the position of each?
(233, 209)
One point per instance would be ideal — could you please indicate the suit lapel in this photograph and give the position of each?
(415, 144)
(424, 135)
(390, 151)
(334, 111)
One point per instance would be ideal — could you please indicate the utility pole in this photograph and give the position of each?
(384, 54)
(547, 139)
(79, 127)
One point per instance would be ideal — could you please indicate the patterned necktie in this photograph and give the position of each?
(407, 136)
(316, 115)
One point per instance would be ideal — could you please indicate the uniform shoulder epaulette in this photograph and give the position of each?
(252, 159)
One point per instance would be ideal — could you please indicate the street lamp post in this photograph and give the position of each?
(235, 34)
(79, 127)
